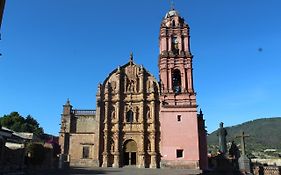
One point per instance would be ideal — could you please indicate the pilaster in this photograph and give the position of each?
(106, 139)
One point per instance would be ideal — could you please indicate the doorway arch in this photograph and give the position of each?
(130, 153)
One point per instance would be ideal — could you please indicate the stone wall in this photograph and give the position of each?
(86, 124)
(77, 142)
(12, 160)
(275, 162)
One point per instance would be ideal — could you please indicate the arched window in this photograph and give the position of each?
(176, 79)
(130, 116)
(175, 45)
(173, 24)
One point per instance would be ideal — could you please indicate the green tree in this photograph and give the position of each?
(16, 122)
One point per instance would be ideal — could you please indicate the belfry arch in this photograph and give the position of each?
(176, 79)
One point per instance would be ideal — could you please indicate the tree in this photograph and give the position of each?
(16, 122)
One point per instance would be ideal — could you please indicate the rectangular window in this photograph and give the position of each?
(179, 118)
(86, 152)
(179, 153)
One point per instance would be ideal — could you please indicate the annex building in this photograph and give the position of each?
(140, 121)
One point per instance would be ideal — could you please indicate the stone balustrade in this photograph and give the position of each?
(267, 170)
(84, 112)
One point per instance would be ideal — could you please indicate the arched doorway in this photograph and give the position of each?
(130, 153)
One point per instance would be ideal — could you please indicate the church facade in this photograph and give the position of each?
(140, 121)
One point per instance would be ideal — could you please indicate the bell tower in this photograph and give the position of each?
(175, 60)
(182, 130)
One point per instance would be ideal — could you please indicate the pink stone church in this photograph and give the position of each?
(140, 121)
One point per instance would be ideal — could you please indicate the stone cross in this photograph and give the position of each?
(243, 136)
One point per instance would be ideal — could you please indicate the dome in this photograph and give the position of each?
(172, 13)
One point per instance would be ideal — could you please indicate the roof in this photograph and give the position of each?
(172, 13)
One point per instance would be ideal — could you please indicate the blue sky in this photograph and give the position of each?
(54, 50)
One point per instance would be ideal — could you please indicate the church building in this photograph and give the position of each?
(140, 121)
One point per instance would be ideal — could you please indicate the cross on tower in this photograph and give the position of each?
(243, 136)
(172, 4)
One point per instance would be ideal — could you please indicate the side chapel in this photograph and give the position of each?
(138, 120)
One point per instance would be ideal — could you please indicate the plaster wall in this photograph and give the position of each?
(181, 134)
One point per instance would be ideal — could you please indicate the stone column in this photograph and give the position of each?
(116, 151)
(153, 116)
(141, 79)
(97, 139)
(106, 149)
(141, 156)
(189, 79)
(183, 78)
(180, 42)
(163, 44)
(152, 137)
(153, 152)
(165, 79)
(170, 80)
(105, 153)
(186, 44)
(141, 150)
(169, 43)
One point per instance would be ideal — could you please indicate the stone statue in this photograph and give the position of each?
(222, 139)
(112, 147)
(148, 113)
(113, 114)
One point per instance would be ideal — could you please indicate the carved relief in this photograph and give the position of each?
(148, 116)
(112, 146)
(113, 85)
(134, 107)
(113, 116)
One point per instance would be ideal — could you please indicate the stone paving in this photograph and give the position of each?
(118, 171)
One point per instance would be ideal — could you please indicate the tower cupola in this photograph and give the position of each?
(174, 35)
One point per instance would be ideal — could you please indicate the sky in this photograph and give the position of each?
(53, 50)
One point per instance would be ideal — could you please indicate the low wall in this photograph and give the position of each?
(275, 162)
(180, 164)
(12, 160)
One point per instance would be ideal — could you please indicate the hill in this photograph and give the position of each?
(264, 134)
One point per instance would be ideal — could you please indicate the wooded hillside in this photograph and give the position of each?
(264, 134)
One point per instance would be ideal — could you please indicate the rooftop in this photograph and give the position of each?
(172, 13)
